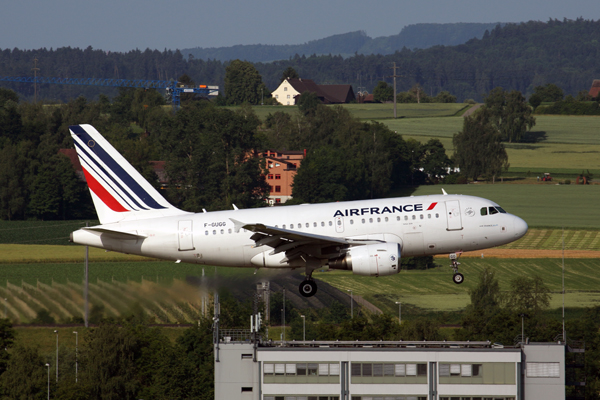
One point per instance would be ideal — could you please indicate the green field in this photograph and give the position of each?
(571, 144)
(434, 290)
(377, 110)
(569, 206)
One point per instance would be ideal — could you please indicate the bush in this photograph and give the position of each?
(570, 107)
(567, 181)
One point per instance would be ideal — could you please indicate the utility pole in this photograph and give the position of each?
(35, 70)
(395, 76)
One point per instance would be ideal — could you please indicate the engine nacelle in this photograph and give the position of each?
(370, 260)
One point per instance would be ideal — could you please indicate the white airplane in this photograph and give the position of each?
(367, 237)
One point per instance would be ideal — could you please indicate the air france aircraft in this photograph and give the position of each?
(366, 237)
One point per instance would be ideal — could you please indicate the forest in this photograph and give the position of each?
(514, 56)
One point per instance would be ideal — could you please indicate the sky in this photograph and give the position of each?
(123, 25)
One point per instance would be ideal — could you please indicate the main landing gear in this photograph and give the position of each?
(308, 287)
(458, 278)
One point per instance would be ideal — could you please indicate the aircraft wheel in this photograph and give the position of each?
(458, 278)
(308, 288)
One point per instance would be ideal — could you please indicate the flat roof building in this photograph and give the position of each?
(396, 370)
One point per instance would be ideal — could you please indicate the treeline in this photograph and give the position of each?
(211, 153)
(129, 360)
(514, 56)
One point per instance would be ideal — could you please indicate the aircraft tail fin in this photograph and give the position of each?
(119, 191)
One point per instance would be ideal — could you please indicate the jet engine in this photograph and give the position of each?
(370, 260)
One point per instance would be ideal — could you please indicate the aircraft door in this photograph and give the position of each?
(185, 236)
(339, 224)
(453, 215)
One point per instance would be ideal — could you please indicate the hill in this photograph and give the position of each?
(514, 56)
(414, 36)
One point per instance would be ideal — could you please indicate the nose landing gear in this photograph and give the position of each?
(458, 278)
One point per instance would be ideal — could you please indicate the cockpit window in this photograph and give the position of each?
(493, 210)
(501, 210)
(483, 210)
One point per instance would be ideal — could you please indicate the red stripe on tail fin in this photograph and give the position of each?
(102, 193)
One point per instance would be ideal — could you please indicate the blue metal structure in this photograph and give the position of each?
(174, 90)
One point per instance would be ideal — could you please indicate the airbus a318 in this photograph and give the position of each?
(367, 237)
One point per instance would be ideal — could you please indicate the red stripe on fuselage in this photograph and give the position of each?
(432, 206)
(102, 193)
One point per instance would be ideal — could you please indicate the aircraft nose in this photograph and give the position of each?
(520, 227)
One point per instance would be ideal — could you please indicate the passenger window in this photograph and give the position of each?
(437, 215)
(330, 223)
(222, 231)
(214, 232)
(398, 218)
(229, 230)
(386, 219)
(429, 216)
(351, 222)
(322, 223)
(291, 226)
(414, 216)
(483, 210)
(406, 217)
(206, 232)
(307, 225)
(339, 222)
(283, 226)
(421, 216)
(315, 224)
(363, 221)
(371, 220)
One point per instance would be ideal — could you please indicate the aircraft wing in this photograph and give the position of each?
(296, 244)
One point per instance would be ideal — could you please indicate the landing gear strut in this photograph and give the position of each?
(458, 278)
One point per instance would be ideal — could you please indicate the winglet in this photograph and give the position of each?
(444, 192)
(234, 207)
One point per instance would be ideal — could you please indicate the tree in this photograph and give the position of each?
(242, 83)
(383, 92)
(289, 73)
(549, 93)
(528, 295)
(7, 338)
(444, 97)
(478, 149)
(26, 375)
(510, 114)
(434, 161)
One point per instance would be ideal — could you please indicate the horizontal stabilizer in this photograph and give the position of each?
(128, 235)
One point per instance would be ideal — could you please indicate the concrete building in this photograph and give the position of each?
(245, 369)
(282, 166)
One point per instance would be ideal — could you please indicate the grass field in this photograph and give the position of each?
(569, 206)
(378, 111)
(571, 143)
(434, 289)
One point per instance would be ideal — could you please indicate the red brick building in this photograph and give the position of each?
(595, 89)
(282, 166)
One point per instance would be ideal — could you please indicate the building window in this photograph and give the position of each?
(277, 189)
(285, 89)
(543, 370)
(288, 96)
(276, 96)
(277, 176)
(270, 176)
(277, 200)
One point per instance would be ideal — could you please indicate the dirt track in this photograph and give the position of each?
(525, 253)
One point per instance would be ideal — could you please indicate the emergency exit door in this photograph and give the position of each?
(185, 235)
